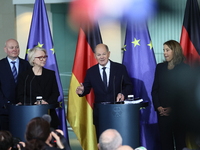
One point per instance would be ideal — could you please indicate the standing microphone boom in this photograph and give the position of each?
(121, 84)
(31, 89)
(25, 89)
(114, 89)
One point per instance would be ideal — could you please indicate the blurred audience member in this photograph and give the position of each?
(39, 136)
(110, 139)
(125, 147)
(7, 142)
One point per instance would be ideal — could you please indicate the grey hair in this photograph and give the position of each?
(31, 54)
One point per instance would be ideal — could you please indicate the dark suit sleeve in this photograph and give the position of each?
(87, 83)
(52, 91)
(3, 100)
(20, 88)
(155, 89)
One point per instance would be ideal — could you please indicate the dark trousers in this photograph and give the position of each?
(172, 134)
(4, 122)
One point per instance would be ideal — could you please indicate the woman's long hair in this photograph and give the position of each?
(177, 49)
(37, 132)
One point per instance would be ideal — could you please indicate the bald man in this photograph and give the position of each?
(110, 139)
(7, 81)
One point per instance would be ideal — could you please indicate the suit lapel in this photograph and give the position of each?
(8, 69)
(98, 77)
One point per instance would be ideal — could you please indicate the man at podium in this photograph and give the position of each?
(109, 79)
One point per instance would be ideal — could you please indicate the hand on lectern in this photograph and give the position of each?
(120, 97)
(80, 89)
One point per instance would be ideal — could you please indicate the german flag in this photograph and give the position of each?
(80, 109)
(190, 36)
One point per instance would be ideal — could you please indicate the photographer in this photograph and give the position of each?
(39, 136)
(7, 142)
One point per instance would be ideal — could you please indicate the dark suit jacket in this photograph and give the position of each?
(169, 85)
(45, 85)
(119, 82)
(31, 86)
(7, 83)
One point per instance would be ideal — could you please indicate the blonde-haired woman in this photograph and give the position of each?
(38, 82)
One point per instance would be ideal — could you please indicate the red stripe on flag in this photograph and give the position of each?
(84, 59)
(189, 50)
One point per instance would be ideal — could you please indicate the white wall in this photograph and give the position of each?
(23, 23)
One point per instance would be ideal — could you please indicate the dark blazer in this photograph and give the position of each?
(31, 86)
(7, 83)
(168, 83)
(45, 85)
(119, 82)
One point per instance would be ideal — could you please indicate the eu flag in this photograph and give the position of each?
(140, 62)
(40, 35)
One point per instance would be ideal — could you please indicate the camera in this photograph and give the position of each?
(62, 139)
(53, 140)
(15, 142)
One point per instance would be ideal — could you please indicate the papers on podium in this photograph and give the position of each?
(135, 101)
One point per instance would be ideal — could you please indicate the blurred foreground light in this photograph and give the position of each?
(91, 11)
(82, 12)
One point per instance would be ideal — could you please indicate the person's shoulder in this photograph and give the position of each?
(23, 60)
(93, 67)
(116, 64)
(48, 70)
(2, 60)
(162, 64)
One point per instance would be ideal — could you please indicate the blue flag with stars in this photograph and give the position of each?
(40, 35)
(140, 62)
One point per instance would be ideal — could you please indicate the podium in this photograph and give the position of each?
(122, 117)
(20, 115)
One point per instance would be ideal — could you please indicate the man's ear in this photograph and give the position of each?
(98, 146)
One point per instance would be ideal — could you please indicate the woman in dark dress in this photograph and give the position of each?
(169, 81)
(38, 82)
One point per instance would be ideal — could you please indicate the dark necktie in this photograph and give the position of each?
(14, 71)
(104, 77)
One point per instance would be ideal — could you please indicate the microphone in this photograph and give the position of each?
(114, 89)
(31, 90)
(47, 118)
(25, 88)
(121, 83)
(121, 87)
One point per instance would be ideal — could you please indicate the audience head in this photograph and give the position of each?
(110, 139)
(6, 140)
(177, 52)
(37, 56)
(12, 49)
(125, 147)
(37, 133)
(102, 54)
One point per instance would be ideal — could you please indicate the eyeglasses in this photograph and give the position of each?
(42, 57)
